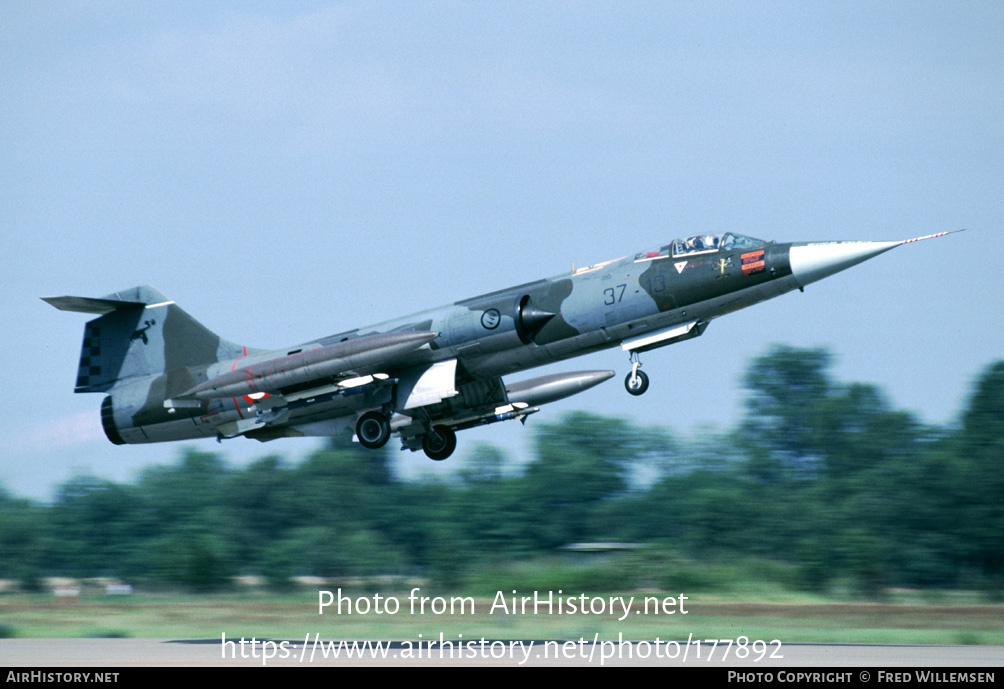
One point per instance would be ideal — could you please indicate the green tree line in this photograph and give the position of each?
(825, 479)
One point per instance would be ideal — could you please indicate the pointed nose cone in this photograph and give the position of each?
(814, 261)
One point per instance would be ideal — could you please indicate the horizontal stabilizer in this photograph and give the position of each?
(123, 300)
(91, 305)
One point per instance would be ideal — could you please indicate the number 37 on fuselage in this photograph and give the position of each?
(426, 376)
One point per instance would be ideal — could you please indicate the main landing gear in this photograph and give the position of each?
(439, 443)
(636, 382)
(373, 430)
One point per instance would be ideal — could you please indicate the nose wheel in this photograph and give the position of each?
(636, 382)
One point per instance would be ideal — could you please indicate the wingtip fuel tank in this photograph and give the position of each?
(550, 388)
(285, 371)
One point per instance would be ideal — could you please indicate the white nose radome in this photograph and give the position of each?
(815, 261)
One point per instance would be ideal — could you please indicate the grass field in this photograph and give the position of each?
(899, 619)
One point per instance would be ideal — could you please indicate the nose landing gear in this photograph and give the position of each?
(636, 382)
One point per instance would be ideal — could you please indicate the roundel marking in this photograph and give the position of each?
(490, 319)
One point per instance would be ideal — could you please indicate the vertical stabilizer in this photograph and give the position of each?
(140, 332)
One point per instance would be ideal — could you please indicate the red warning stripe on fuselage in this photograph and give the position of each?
(753, 262)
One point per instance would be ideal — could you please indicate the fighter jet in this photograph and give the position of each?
(427, 376)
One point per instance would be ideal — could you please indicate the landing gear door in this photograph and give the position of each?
(427, 386)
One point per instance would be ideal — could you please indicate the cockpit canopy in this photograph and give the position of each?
(713, 242)
(702, 243)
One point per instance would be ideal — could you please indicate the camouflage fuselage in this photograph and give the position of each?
(495, 334)
(429, 375)
(595, 308)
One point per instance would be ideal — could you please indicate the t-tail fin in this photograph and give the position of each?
(140, 332)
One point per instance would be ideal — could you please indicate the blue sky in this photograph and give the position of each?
(289, 170)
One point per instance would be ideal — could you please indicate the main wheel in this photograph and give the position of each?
(439, 443)
(373, 430)
(636, 383)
